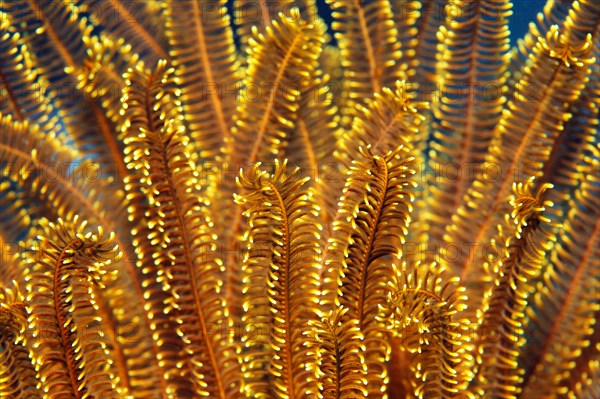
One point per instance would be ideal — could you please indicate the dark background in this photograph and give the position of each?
(524, 11)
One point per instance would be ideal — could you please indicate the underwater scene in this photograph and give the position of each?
(299, 199)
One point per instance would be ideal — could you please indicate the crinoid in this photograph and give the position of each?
(239, 200)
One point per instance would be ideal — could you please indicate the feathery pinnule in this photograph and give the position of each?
(282, 221)
(19, 379)
(178, 235)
